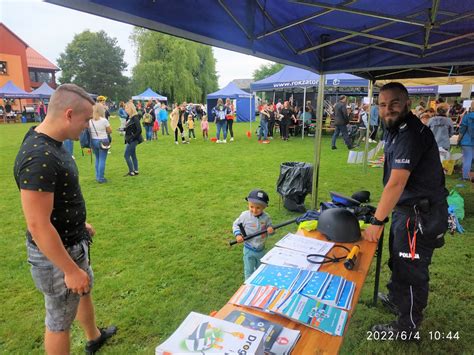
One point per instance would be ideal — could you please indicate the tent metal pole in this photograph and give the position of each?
(317, 141)
(367, 128)
(361, 12)
(274, 96)
(252, 95)
(303, 112)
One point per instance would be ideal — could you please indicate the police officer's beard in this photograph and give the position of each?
(393, 124)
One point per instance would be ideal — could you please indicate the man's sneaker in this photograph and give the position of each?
(333, 147)
(93, 346)
(266, 141)
(395, 331)
(224, 141)
(218, 141)
(232, 139)
(388, 303)
(176, 143)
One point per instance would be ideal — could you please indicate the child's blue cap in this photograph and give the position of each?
(258, 196)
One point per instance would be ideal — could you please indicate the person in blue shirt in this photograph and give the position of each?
(123, 117)
(374, 122)
(163, 117)
(466, 140)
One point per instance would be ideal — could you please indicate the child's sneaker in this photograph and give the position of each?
(265, 141)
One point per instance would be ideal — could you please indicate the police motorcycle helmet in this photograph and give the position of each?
(361, 196)
(339, 225)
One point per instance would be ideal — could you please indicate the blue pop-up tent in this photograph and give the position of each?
(245, 102)
(291, 77)
(44, 91)
(149, 94)
(11, 91)
(373, 39)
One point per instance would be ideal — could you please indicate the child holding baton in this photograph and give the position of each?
(253, 220)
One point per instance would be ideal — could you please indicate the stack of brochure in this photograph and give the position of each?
(278, 340)
(309, 312)
(330, 289)
(202, 334)
(292, 305)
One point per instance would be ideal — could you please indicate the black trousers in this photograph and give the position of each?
(181, 130)
(409, 283)
(284, 129)
(271, 127)
(230, 128)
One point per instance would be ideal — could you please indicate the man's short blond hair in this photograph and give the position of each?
(68, 96)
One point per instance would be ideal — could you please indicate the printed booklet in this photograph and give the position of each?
(278, 340)
(203, 334)
(331, 289)
(306, 310)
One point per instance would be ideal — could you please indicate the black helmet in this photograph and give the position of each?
(339, 225)
(361, 196)
(258, 196)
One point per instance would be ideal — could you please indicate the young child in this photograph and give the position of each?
(190, 125)
(205, 128)
(254, 220)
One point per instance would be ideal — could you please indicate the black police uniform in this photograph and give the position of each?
(419, 220)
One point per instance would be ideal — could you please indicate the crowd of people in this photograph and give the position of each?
(59, 237)
(443, 120)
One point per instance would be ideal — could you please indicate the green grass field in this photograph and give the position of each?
(161, 247)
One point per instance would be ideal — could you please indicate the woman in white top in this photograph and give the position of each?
(100, 128)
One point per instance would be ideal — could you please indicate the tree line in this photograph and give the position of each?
(177, 68)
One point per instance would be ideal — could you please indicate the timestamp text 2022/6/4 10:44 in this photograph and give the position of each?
(411, 335)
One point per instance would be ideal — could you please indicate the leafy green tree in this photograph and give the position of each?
(266, 70)
(95, 62)
(179, 69)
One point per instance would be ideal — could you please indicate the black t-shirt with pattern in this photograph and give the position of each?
(42, 164)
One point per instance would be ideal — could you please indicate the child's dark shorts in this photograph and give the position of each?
(60, 303)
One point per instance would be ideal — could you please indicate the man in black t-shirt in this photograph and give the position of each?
(415, 191)
(58, 236)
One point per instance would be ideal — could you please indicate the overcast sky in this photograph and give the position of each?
(49, 28)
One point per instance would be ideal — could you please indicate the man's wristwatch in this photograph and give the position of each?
(376, 222)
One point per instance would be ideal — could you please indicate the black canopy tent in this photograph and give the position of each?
(368, 38)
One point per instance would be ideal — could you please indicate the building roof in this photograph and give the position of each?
(36, 60)
(13, 33)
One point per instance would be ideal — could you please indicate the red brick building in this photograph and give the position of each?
(23, 65)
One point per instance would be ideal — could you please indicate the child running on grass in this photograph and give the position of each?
(253, 220)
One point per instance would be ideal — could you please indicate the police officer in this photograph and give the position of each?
(415, 191)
